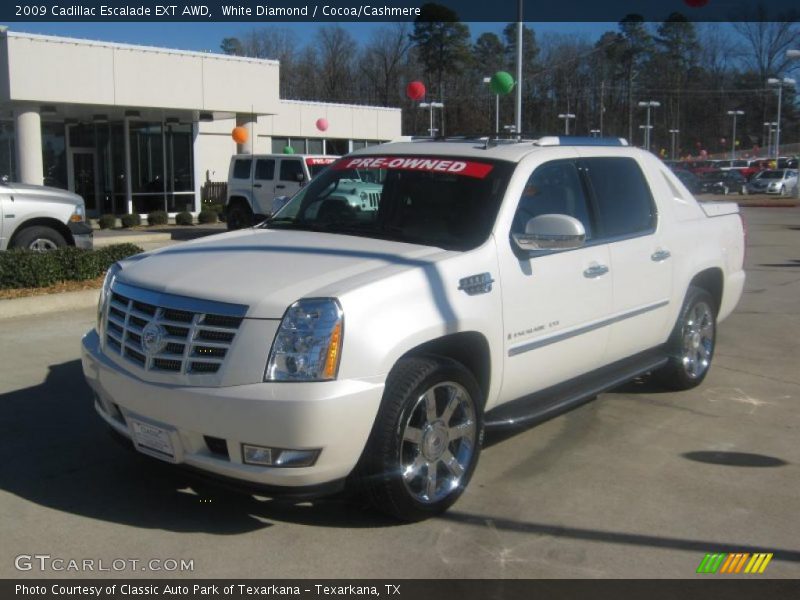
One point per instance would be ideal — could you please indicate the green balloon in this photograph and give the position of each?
(501, 83)
(288, 150)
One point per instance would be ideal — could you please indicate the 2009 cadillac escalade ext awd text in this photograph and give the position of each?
(496, 284)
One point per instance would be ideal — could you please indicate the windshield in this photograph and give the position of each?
(446, 202)
(771, 175)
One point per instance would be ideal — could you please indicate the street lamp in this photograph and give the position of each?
(734, 114)
(431, 106)
(673, 133)
(594, 132)
(646, 129)
(488, 80)
(566, 117)
(779, 83)
(770, 125)
(648, 104)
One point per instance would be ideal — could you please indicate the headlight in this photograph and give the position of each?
(105, 293)
(308, 344)
(79, 215)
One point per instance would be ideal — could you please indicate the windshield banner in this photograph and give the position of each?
(466, 168)
(318, 160)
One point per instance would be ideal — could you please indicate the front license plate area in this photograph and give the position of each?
(154, 440)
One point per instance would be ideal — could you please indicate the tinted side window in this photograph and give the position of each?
(290, 169)
(553, 188)
(265, 169)
(624, 202)
(241, 168)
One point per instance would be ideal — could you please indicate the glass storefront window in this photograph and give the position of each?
(278, 144)
(7, 151)
(314, 146)
(54, 155)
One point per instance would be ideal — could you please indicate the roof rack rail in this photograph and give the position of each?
(576, 140)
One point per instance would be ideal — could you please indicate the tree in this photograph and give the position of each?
(231, 45)
(337, 50)
(442, 43)
(766, 42)
(383, 60)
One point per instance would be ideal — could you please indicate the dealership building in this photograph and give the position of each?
(136, 128)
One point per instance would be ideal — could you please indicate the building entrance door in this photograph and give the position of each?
(82, 175)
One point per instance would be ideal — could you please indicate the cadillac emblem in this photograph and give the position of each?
(154, 338)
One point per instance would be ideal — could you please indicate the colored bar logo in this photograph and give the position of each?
(734, 563)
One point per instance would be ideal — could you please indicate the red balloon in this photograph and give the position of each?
(415, 90)
(322, 124)
(695, 3)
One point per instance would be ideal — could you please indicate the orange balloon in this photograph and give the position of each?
(239, 135)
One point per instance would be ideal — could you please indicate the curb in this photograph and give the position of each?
(48, 303)
(131, 239)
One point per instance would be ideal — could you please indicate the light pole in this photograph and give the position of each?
(646, 129)
(770, 125)
(594, 132)
(779, 83)
(734, 114)
(648, 104)
(673, 133)
(566, 117)
(488, 80)
(431, 106)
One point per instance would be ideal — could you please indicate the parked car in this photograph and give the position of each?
(723, 182)
(773, 181)
(256, 180)
(495, 286)
(42, 218)
(689, 179)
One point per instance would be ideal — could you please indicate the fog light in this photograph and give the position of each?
(256, 455)
(278, 457)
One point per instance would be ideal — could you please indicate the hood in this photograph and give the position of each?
(51, 194)
(268, 270)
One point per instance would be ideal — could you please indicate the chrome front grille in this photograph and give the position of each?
(183, 335)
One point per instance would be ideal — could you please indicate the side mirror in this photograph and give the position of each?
(301, 177)
(551, 232)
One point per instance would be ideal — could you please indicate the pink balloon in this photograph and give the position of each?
(322, 124)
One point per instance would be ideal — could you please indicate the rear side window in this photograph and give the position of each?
(265, 169)
(290, 169)
(241, 168)
(624, 202)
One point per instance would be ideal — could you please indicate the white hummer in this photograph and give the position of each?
(260, 184)
(497, 284)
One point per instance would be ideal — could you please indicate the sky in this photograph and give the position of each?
(207, 36)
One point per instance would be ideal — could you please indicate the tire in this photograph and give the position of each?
(691, 344)
(426, 439)
(39, 238)
(239, 216)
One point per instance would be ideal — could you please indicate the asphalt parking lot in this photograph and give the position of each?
(640, 483)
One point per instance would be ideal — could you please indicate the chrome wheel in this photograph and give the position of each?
(698, 340)
(42, 245)
(438, 442)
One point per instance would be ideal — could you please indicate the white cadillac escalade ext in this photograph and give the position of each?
(496, 285)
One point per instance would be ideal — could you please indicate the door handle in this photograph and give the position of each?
(258, 185)
(280, 186)
(660, 255)
(595, 271)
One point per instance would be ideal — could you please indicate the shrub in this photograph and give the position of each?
(131, 220)
(107, 221)
(28, 268)
(207, 215)
(157, 217)
(184, 218)
(217, 207)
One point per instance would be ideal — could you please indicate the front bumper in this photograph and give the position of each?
(335, 417)
(82, 234)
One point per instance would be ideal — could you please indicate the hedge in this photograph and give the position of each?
(107, 221)
(207, 215)
(131, 220)
(29, 268)
(184, 218)
(157, 217)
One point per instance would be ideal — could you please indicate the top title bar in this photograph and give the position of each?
(399, 10)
